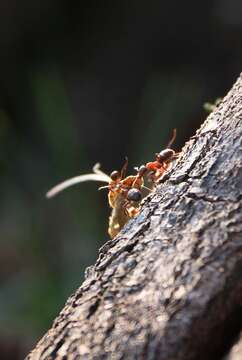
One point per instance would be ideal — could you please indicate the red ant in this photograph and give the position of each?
(162, 163)
(124, 197)
(124, 193)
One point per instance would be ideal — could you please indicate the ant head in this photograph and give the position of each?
(142, 170)
(115, 175)
(134, 195)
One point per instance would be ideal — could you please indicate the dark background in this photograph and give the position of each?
(82, 82)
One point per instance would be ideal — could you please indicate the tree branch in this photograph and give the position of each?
(169, 285)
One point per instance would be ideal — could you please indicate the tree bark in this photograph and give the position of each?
(169, 286)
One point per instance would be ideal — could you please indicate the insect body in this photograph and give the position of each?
(124, 197)
(163, 161)
(126, 207)
(124, 194)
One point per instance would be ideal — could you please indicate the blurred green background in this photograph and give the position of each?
(87, 82)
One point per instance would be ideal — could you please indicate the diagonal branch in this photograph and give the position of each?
(169, 285)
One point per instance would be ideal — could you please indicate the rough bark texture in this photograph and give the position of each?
(236, 351)
(169, 286)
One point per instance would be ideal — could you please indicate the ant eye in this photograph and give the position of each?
(134, 195)
(114, 175)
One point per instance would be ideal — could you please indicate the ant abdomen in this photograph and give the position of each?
(165, 155)
(134, 195)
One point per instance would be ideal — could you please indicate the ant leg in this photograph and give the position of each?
(130, 210)
(125, 207)
(176, 155)
(152, 177)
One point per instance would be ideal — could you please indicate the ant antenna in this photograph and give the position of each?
(172, 139)
(124, 168)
